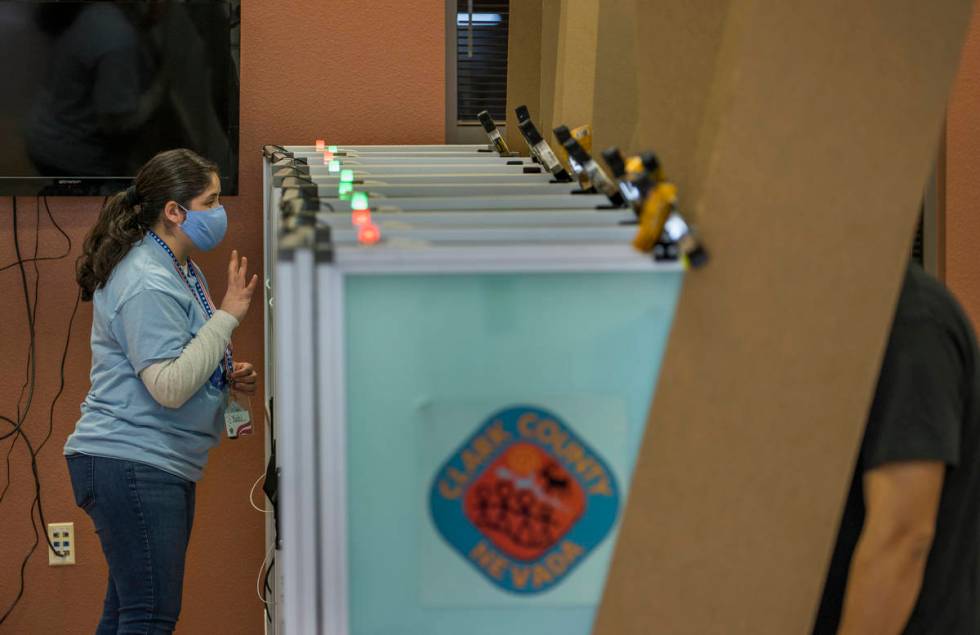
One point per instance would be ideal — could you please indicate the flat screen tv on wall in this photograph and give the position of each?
(89, 90)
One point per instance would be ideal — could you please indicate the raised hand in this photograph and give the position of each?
(238, 297)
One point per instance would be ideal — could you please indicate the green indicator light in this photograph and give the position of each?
(334, 166)
(359, 200)
(347, 175)
(345, 189)
(332, 148)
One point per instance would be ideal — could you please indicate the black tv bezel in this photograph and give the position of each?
(95, 185)
(101, 186)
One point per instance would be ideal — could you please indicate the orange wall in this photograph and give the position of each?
(963, 178)
(348, 70)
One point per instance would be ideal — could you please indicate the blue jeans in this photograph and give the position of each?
(143, 517)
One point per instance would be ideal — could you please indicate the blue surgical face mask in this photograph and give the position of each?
(205, 228)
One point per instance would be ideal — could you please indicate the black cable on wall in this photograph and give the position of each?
(30, 384)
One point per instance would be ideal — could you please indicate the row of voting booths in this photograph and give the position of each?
(491, 413)
(468, 398)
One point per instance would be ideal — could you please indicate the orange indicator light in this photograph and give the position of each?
(368, 234)
(360, 217)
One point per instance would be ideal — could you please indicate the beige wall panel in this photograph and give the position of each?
(615, 102)
(523, 66)
(575, 69)
(821, 124)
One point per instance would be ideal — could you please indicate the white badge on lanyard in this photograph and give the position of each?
(238, 416)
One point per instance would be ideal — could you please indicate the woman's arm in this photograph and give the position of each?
(173, 381)
(152, 326)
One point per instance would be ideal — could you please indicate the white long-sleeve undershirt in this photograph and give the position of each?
(172, 382)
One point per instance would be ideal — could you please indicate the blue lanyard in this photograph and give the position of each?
(219, 378)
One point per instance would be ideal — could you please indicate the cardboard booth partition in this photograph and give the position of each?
(618, 68)
(800, 136)
(808, 168)
(575, 66)
(532, 66)
(523, 67)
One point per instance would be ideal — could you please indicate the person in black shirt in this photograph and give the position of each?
(906, 559)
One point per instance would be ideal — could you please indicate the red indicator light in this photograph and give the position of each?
(320, 145)
(327, 156)
(360, 217)
(368, 234)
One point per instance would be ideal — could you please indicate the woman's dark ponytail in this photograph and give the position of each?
(174, 175)
(118, 227)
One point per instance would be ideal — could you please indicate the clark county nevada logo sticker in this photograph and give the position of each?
(524, 500)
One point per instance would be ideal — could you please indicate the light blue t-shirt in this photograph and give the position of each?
(145, 314)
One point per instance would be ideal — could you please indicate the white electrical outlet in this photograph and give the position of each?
(62, 536)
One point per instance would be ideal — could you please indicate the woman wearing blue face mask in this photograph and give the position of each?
(162, 370)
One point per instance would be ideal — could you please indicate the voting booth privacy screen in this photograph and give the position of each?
(459, 428)
(460, 397)
(490, 442)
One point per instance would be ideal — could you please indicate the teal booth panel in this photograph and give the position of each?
(492, 427)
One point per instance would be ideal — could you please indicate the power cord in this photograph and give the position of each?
(71, 322)
(258, 580)
(266, 589)
(37, 259)
(17, 426)
(40, 259)
(20, 418)
(262, 582)
(251, 496)
(270, 488)
(32, 371)
(30, 358)
(71, 319)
